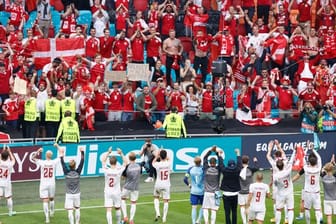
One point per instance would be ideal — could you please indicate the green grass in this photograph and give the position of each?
(29, 207)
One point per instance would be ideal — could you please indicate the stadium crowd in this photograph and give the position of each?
(276, 59)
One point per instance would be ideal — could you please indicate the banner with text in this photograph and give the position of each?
(256, 146)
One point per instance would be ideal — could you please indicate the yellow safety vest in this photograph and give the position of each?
(52, 110)
(69, 130)
(174, 124)
(68, 105)
(30, 111)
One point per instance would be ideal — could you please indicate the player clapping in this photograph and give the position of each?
(7, 163)
(47, 181)
(112, 189)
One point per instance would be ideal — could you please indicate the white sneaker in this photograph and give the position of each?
(52, 214)
(149, 179)
(12, 213)
(47, 220)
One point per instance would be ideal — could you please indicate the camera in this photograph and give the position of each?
(326, 107)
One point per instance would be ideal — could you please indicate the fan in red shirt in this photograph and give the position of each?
(199, 21)
(17, 12)
(243, 111)
(225, 45)
(230, 84)
(122, 45)
(153, 16)
(92, 44)
(285, 94)
(327, 16)
(160, 93)
(309, 95)
(206, 104)
(121, 18)
(231, 19)
(202, 45)
(190, 10)
(96, 5)
(106, 44)
(101, 98)
(167, 14)
(329, 45)
(138, 40)
(69, 20)
(322, 79)
(176, 98)
(139, 23)
(115, 103)
(11, 109)
(97, 68)
(80, 73)
(153, 46)
(5, 77)
(118, 3)
(119, 64)
(128, 99)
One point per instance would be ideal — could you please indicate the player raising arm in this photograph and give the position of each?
(72, 186)
(47, 180)
(7, 163)
(312, 197)
(112, 189)
(196, 175)
(256, 200)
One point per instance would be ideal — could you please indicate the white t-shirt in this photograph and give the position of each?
(112, 179)
(163, 174)
(48, 170)
(6, 168)
(259, 192)
(283, 181)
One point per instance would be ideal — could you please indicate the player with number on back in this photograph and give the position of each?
(7, 163)
(312, 197)
(47, 181)
(112, 189)
(256, 207)
(162, 183)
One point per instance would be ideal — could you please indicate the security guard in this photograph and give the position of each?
(31, 115)
(68, 104)
(52, 114)
(68, 130)
(174, 124)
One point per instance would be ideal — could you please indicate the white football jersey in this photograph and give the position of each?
(48, 170)
(112, 179)
(163, 174)
(6, 168)
(259, 192)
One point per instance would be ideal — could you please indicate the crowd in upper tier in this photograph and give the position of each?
(275, 58)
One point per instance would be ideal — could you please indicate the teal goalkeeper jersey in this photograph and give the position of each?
(197, 177)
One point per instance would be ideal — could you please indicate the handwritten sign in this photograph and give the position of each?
(138, 72)
(115, 76)
(20, 86)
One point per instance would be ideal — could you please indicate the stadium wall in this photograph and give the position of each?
(181, 151)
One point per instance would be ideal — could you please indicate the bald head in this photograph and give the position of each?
(49, 154)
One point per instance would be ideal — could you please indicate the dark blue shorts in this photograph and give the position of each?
(196, 199)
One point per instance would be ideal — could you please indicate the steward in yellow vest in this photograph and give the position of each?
(30, 118)
(174, 125)
(68, 104)
(52, 114)
(68, 130)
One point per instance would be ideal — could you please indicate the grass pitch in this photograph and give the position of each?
(29, 207)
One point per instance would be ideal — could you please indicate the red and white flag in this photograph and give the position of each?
(4, 138)
(299, 158)
(261, 121)
(48, 49)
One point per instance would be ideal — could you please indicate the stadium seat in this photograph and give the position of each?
(85, 18)
(56, 20)
(186, 43)
(4, 17)
(140, 5)
(112, 29)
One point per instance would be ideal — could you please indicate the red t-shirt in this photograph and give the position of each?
(115, 100)
(138, 49)
(168, 23)
(128, 101)
(176, 100)
(160, 99)
(207, 102)
(91, 46)
(285, 98)
(99, 99)
(69, 24)
(97, 70)
(13, 108)
(4, 84)
(106, 46)
(304, 11)
(121, 46)
(153, 46)
(121, 20)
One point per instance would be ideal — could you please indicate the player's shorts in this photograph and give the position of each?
(312, 200)
(133, 195)
(209, 201)
(6, 191)
(256, 215)
(329, 207)
(72, 201)
(47, 191)
(282, 200)
(163, 192)
(196, 199)
(112, 200)
(242, 199)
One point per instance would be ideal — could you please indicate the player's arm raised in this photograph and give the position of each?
(81, 163)
(36, 154)
(269, 151)
(11, 156)
(120, 152)
(105, 157)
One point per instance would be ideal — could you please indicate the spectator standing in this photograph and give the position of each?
(146, 103)
(202, 45)
(309, 95)
(322, 80)
(173, 49)
(18, 14)
(264, 98)
(138, 40)
(72, 186)
(44, 16)
(92, 44)
(309, 117)
(69, 16)
(128, 103)
(52, 114)
(174, 125)
(160, 93)
(168, 15)
(106, 44)
(139, 23)
(100, 20)
(122, 46)
(196, 175)
(226, 45)
(212, 173)
(115, 103)
(231, 186)
(176, 98)
(244, 103)
(11, 108)
(153, 47)
(188, 74)
(206, 103)
(157, 71)
(101, 99)
(68, 130)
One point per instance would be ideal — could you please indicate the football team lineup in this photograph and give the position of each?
(122, 183)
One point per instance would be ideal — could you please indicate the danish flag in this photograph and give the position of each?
(48, 49)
